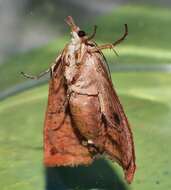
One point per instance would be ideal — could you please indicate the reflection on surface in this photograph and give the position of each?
(99, 175)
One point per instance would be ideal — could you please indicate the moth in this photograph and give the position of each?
(84, 117)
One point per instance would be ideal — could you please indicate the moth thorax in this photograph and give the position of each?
(74, 53)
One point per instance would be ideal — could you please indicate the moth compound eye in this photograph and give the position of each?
(81, 33)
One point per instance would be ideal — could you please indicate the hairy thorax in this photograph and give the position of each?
(79, 69)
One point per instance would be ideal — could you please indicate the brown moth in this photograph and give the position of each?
(84, 117)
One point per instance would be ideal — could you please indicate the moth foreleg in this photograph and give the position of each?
(66, 101)
(43, 73)
(35, 77)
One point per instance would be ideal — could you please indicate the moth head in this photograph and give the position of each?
(77, 34)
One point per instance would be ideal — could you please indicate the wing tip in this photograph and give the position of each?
(129, 172)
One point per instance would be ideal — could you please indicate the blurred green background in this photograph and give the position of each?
(31, 36)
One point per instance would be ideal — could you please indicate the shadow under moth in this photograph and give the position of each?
(84, 117)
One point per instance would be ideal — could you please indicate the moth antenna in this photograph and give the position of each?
(93, 34)
(111, 45)
(123, 37)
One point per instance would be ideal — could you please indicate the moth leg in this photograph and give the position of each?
(79, 55)
(43, 73)
(112, 45)
(66, 101)
(54, 64)
(35, 77)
